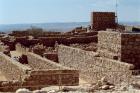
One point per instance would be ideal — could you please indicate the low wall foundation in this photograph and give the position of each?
(46, 73)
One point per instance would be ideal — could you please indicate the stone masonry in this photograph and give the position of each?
(39, 73)
(21, 49)
(11, 69)
(130, 50)
(93, 68)
(109, 44)
(103, 20)
(48, 70)
(120, 46)
(43, 63)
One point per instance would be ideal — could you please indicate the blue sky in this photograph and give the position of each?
(44, 11)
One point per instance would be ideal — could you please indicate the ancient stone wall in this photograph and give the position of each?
(130, 48)
(109, 44)
(103, 20)
(93, 68)
(110, 41)
(10, 44)
(93, 33)
(42, 78)
(84, 39)
(22, 40)
(52, 77)
(11, 69)
(20, 48)
(2, 48)
(51, 56)
(50, 41)
(42, 72)
(120, 46)
(39, 63)
(50, 71)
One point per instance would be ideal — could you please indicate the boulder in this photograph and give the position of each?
(23, 90)
(105, 87)
(39, 91)
(52, 91)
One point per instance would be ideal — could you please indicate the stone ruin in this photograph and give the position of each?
(89, 56)
(38, 49)
(5, 49)
(120, 46)
(103, 20)
(116, 58)
(37, 73)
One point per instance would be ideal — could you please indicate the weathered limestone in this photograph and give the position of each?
(39, 73)
(93, 68)
(110, 41)
(2, 47)
(38, 62)
(11, 68)
(124, 46)
(21, 49)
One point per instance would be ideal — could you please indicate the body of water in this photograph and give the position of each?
(62, 27)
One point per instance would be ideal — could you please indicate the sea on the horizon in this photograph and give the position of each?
(58, 27)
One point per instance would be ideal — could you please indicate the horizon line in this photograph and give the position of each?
(41, 23)
(59, 22)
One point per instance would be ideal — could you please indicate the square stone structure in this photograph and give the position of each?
(103, 20)
(125, 46)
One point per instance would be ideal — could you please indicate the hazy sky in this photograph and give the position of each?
(38, 11)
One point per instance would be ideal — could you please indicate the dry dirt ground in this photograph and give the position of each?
(84, 87)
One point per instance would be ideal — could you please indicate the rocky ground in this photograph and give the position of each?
(81, 89)
(102, 86)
